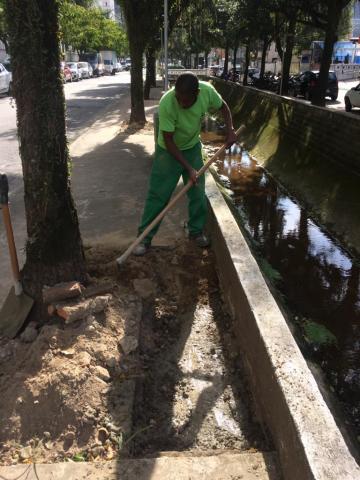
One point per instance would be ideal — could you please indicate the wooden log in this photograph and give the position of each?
(71, 313)
(98, 289)
(61, 291)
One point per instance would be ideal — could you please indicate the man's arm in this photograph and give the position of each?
(176, 153)
(230, 132)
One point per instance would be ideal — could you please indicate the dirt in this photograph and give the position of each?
(68, 394)
(194, 395)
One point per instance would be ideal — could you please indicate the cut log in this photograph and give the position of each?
(82, 309)
(98, 289)
(62, 291)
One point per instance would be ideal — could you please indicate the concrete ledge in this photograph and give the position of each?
(308, 441)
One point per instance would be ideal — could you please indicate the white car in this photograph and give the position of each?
(5, 80)
(75, 72)
(352, 98)
(85, 69)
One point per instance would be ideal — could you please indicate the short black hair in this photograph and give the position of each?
(187, 83)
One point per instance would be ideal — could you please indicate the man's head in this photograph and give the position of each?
(186, 89)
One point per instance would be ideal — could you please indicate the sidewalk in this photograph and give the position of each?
(111, 168)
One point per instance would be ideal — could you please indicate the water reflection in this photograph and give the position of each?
(319, 280)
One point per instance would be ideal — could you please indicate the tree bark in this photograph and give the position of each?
(54, 251)
(290, 39)
(247, 62)
(150, 80)
(226, 62)
(207, 58)
(333, 18)
(137, 95)
(263, 57)
(234, 56)
(133, 12)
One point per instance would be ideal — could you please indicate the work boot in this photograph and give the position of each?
(141, 249)
(200, 239)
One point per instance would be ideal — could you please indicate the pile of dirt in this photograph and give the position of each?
(67, 390)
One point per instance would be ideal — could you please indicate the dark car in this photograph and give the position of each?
(305, 83)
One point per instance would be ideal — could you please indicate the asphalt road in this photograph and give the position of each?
(85, 101)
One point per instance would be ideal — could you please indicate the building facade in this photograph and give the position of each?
(356, 20)
(108, 6)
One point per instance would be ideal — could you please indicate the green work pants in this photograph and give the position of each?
(165, 174)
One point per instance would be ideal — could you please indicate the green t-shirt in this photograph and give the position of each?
(186, 122)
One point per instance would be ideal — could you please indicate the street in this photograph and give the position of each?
(85, 102)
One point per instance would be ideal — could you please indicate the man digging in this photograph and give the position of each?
(179, 153)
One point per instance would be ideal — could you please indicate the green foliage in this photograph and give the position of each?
(79, 457)
(318, 334)
(89, 29)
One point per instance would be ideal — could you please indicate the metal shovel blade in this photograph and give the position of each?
(14, 312)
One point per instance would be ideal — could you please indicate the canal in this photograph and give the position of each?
(313, 277)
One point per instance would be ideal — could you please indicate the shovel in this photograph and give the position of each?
(122, 259)
(17, 305)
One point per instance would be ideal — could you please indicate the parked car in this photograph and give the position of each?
(5, 80)
(215, 70)
(305, 83)
(109, 67)
(66, 72)
(127, 65)
(122, 66)
(352, 98)
(75, 72)
(253, 74)
(85, 69)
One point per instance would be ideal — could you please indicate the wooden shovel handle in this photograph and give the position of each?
(173, 201)
(11, 242)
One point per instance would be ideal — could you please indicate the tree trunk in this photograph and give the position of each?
(133, 13)
(207, 58)
(54, 251)
(290, 39)
(137, 96)
(334, 14)
(234, 56)
(150, 80)
(247, 62)
(226, 62)
(263, 57)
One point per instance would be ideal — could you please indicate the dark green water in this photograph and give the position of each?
(317, 280)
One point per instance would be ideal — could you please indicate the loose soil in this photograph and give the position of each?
(194, 395)
(69, 393)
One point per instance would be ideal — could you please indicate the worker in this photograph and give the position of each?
(179, 153)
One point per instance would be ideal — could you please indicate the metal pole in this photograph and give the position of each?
(166, 30)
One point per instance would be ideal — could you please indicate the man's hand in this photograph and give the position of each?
(193, 176)
(231, 138)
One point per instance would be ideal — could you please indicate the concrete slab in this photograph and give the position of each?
(309, 443)
(234, 466)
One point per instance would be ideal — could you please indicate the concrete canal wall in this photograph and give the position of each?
(306, 437)
(313, 151)
(278, 126)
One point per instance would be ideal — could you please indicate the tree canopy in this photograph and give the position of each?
(87, 28)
